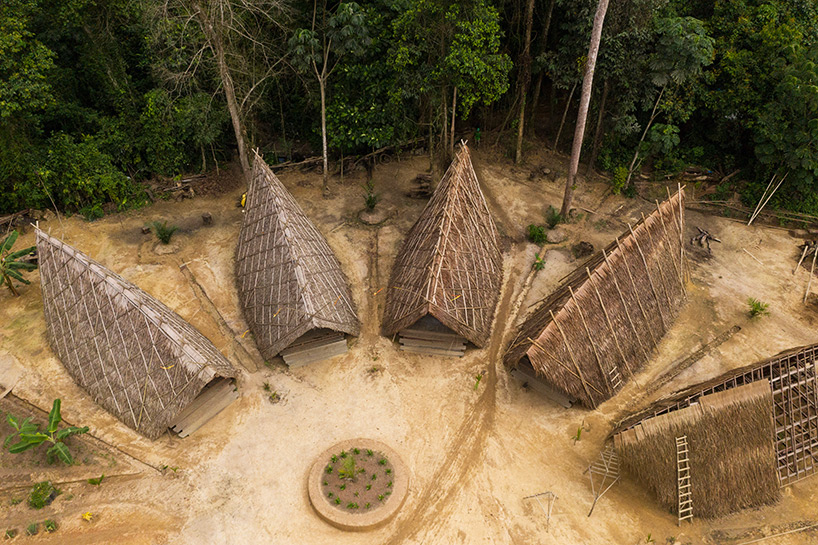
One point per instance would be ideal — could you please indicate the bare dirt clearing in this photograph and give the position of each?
(473, 454)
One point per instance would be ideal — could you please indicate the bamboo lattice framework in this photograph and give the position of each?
(137, 358)
(289, 280)
(605, 320)
(449, 265)
(791, 376)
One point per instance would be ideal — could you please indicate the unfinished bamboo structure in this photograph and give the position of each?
(294, 294)
(447, 274)
(792, 378)
(137, 358)
(604, 321)
(729, 437)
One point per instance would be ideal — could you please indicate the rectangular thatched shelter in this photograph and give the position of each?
(291, 286)
(791, 379)
(447, 274)
(604, 321)
(137, 358)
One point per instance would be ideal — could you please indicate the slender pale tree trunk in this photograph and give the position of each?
(564, 115)
(444, 144)
(543, 42)
(322, 86)
(584, 101)
(451, 132)
(600, 118)
(214, 38)
(525, 78)
(653, 115)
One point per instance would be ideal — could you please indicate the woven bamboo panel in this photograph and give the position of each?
(288, 278)
(450, 264)
(603, 323)
(136, 357)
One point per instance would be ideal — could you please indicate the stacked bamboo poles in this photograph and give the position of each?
(450, 264)
(607, 317)
(135, 356)
(289, 280)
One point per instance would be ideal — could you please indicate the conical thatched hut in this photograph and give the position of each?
(749, 432)
(601, 325)
(135, 356)
(294, 295)
(446, 279)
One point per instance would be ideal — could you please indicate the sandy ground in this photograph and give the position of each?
(473, 453)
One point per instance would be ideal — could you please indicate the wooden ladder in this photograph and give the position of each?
(683, 475)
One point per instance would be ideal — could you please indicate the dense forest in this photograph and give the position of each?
(98, 96)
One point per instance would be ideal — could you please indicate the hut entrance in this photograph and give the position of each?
(315, 345)
(218, 394)
(525, 373)
(429, 336)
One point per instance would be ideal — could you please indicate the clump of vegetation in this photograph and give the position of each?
(28, 436)
(349, 470)
(553, 217)
(757, 308)
(620, 178)
(97, 481)
(536, 234)
(164, 231)
(31, 529)
(539, 263)
(49, 526)
(11, 268)
(370, 197)
(11, 533)
(42, 494)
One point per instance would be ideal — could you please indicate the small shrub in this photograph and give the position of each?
(368, 505)
(388, 471)
(50, 526)
(349, 470)
(620, 177)
(11, 268)
(553, 217)
(382, 461)
(389, 484)
(11, 533)
(42, 494)
(343, 487)
(369, 452)
(97, 481)
(337, 501)
(536, 234)
(370, 197)
(15, 501)
(334, 458)
(757, 308)
(31, 529)
(356, 451)
(328, 469)
(539, 263)
(330, 494)
(164, 231)
(374, 476)
(381, 497)
(369, 487)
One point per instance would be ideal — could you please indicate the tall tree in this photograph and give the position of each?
(320, 48)
(231, 41)
(585, 100)
(525, 77)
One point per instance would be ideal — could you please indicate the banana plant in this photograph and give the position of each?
(10, 266)
(28, 436)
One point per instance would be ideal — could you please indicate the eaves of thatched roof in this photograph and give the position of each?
(137, 358)
(288, 278)
(449, 265)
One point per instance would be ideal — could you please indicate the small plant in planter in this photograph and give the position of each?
(42, 494)
(164, 231)
(31, 529)
(49, 526)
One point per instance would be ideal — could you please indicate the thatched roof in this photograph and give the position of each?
(791, 378)
(135, 356)
(450, 264)
(602, 324)
(730, 451)
(288, 278)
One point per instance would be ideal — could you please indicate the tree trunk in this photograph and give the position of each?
(564, 115)
(653, 114)
(322, 85)
(444, 142)
(525, 78)
(585, 100)
(215, 42)
(543, 44)
(598, 132)
(451, 132)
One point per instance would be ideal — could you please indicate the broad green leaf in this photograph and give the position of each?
(54, 417)
(12, 421)
(36, 438)
(22, 446)
(97, 481)
(9, 242)
(67, 432)
(61, 451)
(20, 253)
(21, 265)
(17, 276)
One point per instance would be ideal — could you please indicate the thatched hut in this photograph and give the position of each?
(136, 357)
(294, 295)
(603, 322)
(750, 431)
(446, 279)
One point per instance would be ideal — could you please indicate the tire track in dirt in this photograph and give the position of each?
(465, 450)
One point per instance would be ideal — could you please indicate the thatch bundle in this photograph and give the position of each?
(135, 356)
(602, 324)
(450, 264)
(289, 280)
(731, 455)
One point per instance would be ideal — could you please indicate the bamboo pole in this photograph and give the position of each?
(591, 341)
(571, 354)
(650, 278)
(811, 270)
(608, 320)
(625, 306)
(637, 293)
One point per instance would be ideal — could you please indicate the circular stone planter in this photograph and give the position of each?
(387, 489)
